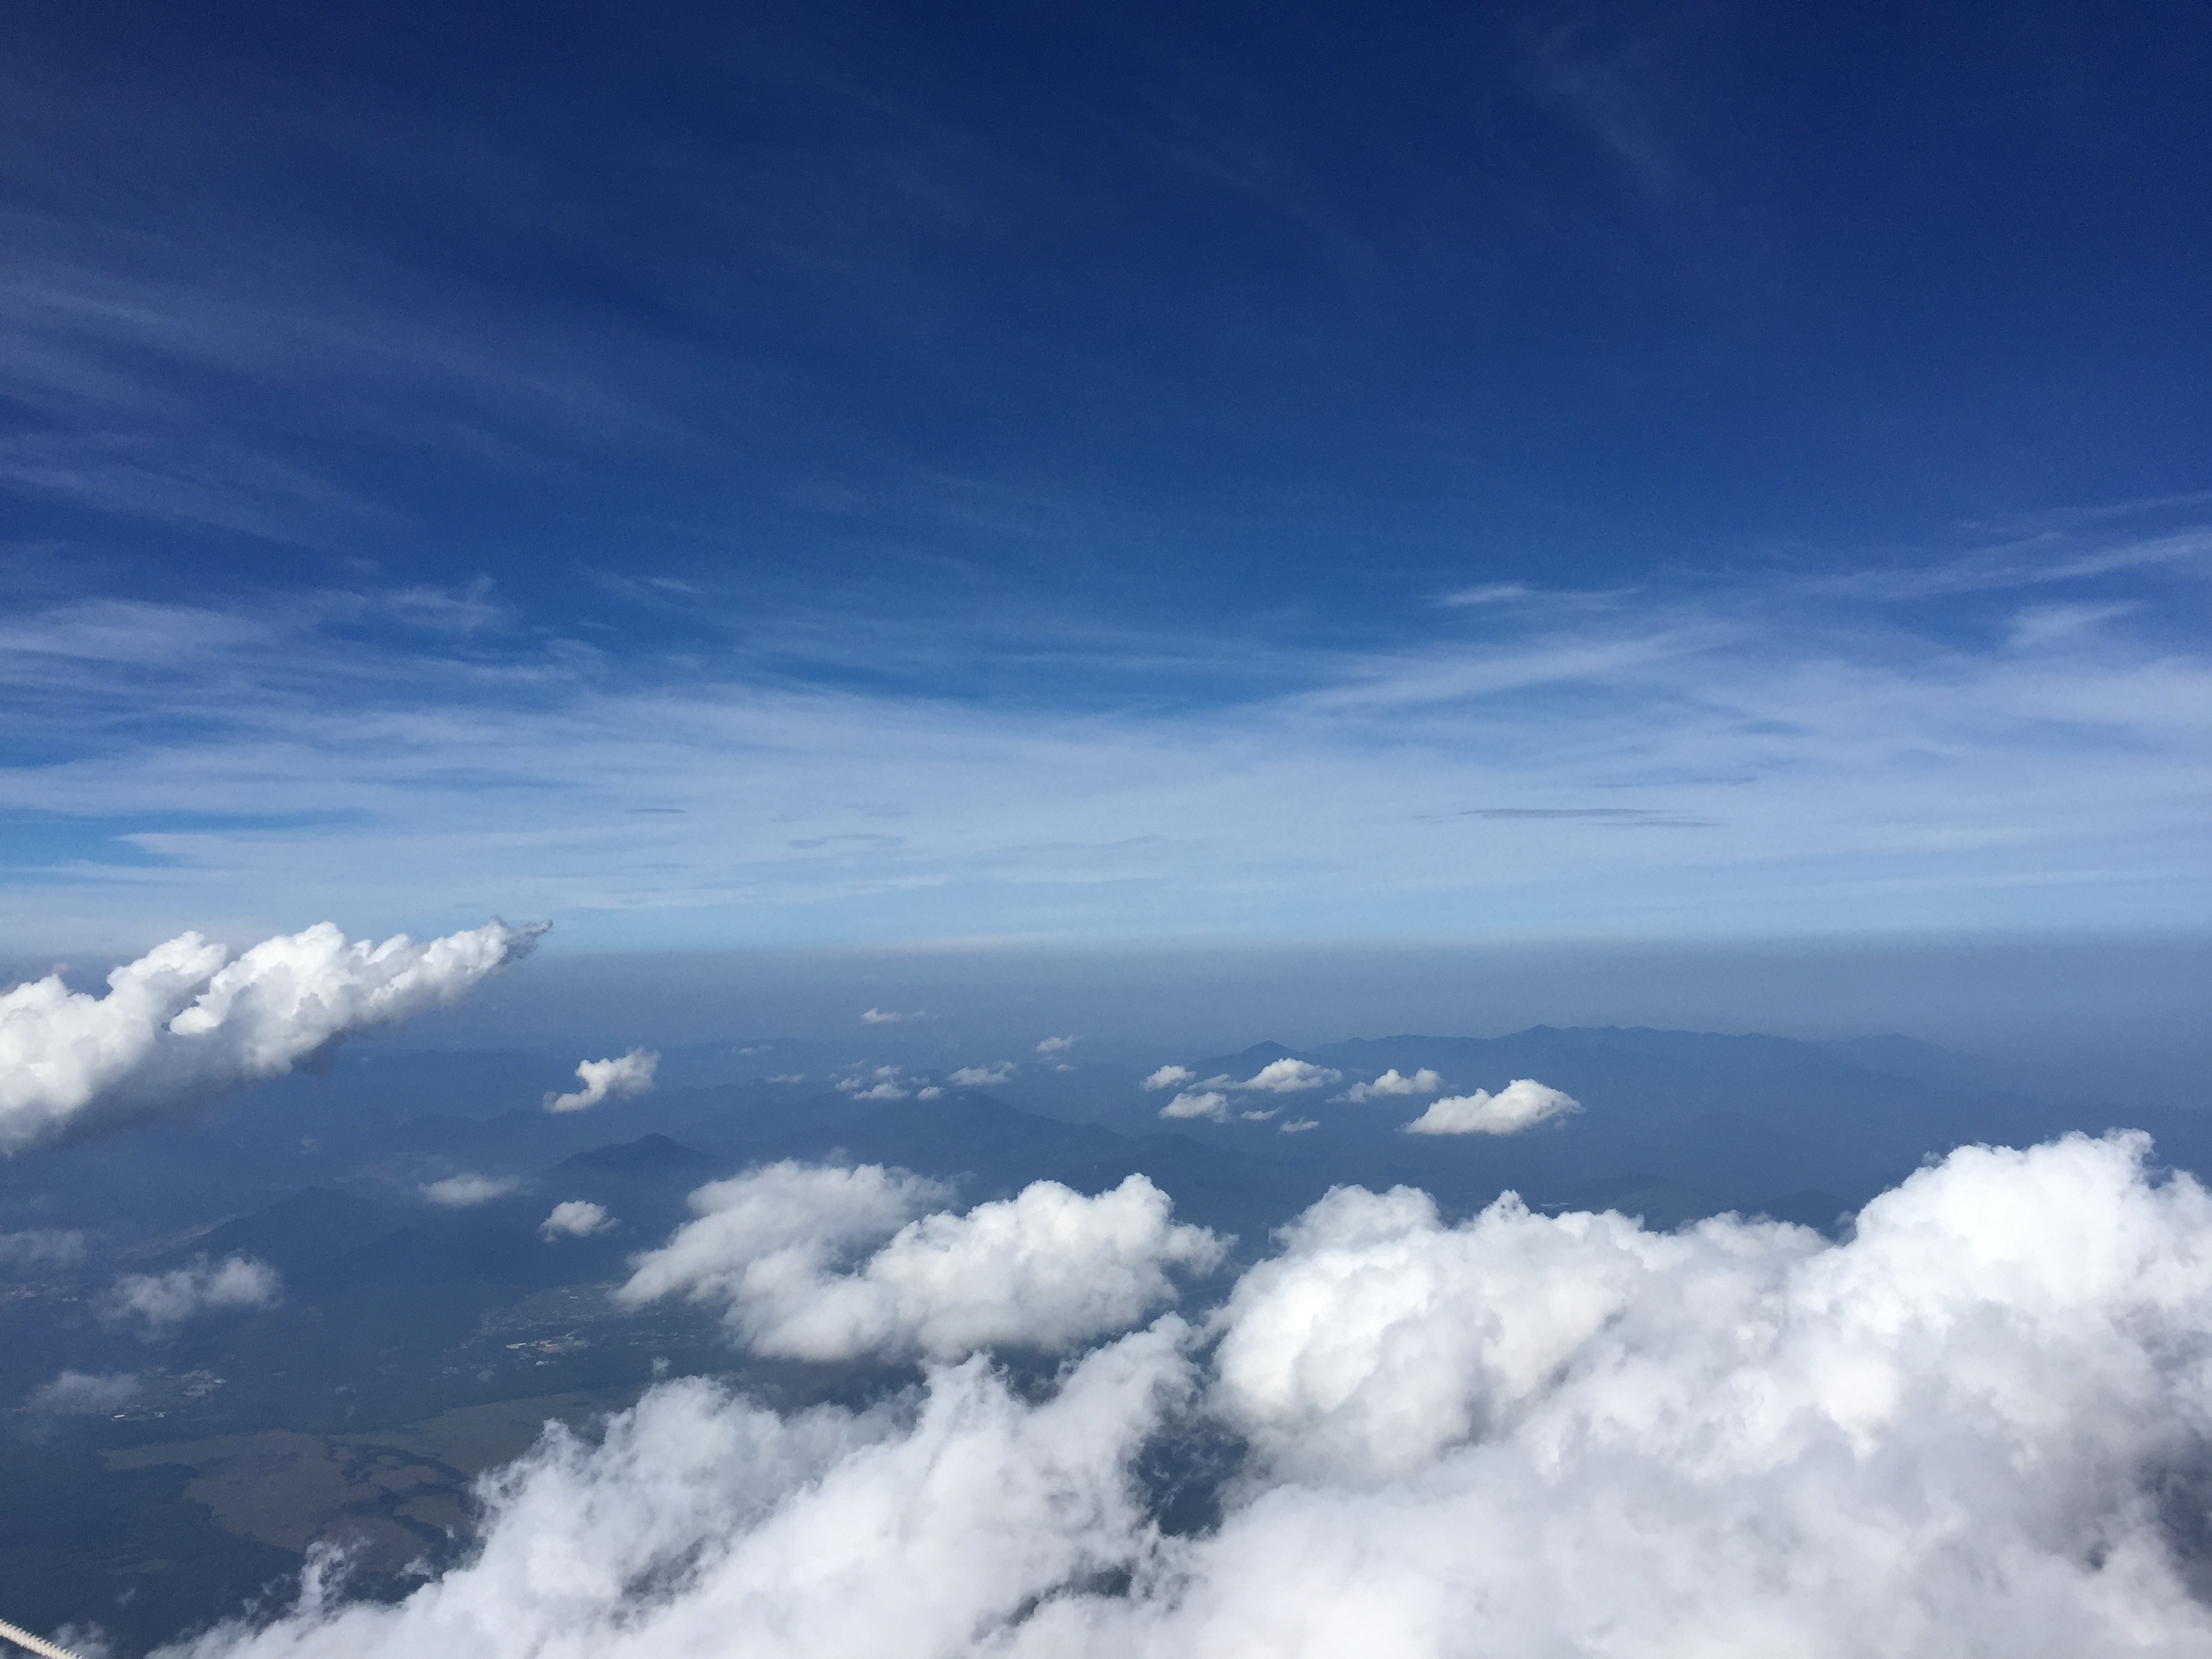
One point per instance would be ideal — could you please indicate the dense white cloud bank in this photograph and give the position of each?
(1521, 1104)
(183, 1020)
(705, 1526)
(1981, 1425)
(1048, 1268)
(622, 1076)
(164, 1301)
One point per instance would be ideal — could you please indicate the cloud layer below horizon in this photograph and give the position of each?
(1980, 1424)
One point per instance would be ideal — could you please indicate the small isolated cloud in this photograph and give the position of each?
(2042, 624)
(1212, 1104)
(575, 1218)
(1298, 1126)
(1259, 1117)
(183, 1022)
(884, 1083)
(892, 1016)
(462, 1192)
(85, 1393)
(789, 1077)
(1048, 1269)
(1521, 1104)
(1485, 594)
(630, 1074)
(1056, 1045)
(984, 1077)
(931, 1093)
(1169, 1077)
(1285, 1077)
(1423, 1082)
(165, 1301)
(41, 1249)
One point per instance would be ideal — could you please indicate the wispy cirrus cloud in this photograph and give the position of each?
(1815, 766)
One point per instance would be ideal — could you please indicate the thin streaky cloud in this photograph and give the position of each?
(2039, 562)
(2043, 624)
(1486, 593)
(504, 767)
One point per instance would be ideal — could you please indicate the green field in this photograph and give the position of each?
(388, 1498)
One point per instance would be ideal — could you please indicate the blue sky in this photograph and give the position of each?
(836, 475)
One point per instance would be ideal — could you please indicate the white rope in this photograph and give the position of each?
(38, 1644)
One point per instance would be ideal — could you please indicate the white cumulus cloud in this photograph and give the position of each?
(892, 1016)
(184, 1021)
(1056, 1045)
(626, 1075)
(41, 1247)
(164, 1301)
(1982, 1425)
(1423, 1082)
(984, 1077)
(1169, 1077)
(1206, 1103)
(85, 1393)
(1048, 1268)
(705, 1525)
(1521, 1104)
(574, 1217)
(463, 1192)
(782, 1220)
(1288, 1077)
(884, 1083)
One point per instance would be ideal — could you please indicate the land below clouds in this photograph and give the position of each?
(414, 1345)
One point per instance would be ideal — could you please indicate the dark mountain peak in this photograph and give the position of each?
(649, 1155)
(311, 1226)
(1247, 1061)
